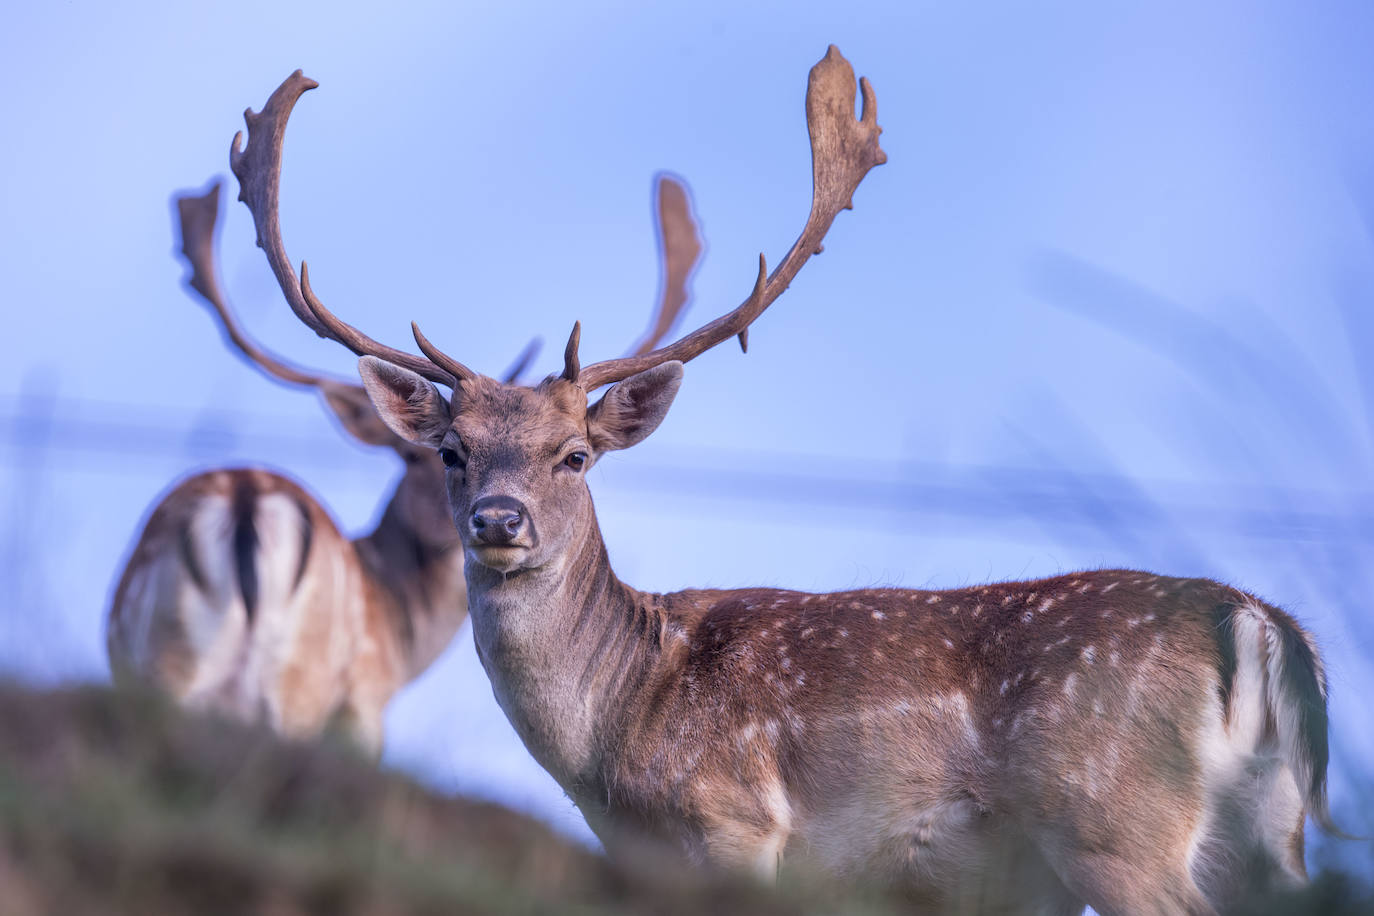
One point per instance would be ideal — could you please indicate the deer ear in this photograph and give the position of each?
(354, 412)
(409, 405)
(632, 409)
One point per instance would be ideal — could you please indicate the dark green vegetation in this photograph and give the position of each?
(112, 802)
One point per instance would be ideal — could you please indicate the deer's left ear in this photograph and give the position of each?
(354, 412)
(409, 405)
(632, 409)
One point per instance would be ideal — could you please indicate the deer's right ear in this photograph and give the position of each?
(410, 405)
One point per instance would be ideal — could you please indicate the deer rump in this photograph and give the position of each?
(222, 603)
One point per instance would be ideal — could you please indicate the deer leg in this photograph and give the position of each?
(1121, 883)
(743, 847)
(747, 830)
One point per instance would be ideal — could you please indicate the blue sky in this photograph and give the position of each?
(1107, 303)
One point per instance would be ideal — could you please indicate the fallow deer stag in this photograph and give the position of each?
(1134, 742)
(242, 595)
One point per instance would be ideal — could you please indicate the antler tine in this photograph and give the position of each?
(843, 150)
(362, 345)
(439, 357)
(572, 366)
(522, 362)
(258, 169)
(198, 216)
(679, 247)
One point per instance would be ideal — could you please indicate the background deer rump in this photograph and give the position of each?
(1134, 742)
(242, 595)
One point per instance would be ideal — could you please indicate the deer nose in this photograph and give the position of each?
(497, 520)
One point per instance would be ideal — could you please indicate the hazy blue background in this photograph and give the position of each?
(1109, 302)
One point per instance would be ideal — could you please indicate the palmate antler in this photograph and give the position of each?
(198, 217)
(679, 247)
(843, 150)
(258, 169)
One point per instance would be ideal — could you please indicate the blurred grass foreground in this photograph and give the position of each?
(116, 802)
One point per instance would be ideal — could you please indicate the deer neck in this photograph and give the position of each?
(566, 646)
(423, 582)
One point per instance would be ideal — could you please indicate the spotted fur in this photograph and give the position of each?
(1139, 743)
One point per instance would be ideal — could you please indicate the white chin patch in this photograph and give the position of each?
(500, 559)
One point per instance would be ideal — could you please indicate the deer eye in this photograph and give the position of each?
(450, 458)
(575, 461)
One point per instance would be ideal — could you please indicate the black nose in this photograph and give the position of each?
(497, 519)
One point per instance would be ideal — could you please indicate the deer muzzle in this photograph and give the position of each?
(500, 521)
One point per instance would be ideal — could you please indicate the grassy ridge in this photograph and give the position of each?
(115, 802)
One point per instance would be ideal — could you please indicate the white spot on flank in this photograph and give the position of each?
(1149, 617)
(879, 615)
(1115, 657)
(977, 609)
(1005, 685)
(1109, 587)
(807, 633)
(1069, 683)
(844, 633)
(933, 599)
(1089, 653)
(1133, 622)
(1085, 589)
(1027, 617)
(948, 644)
(1006, 600)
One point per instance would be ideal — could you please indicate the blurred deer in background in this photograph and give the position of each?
(1139, 743)
(243, 596)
